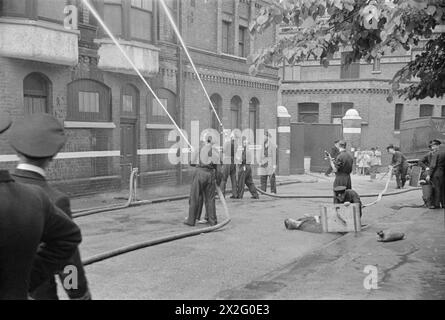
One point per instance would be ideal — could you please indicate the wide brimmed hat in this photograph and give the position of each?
(436, 142)
(5, 122)
(38, 136)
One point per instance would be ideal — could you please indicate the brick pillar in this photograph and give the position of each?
(283, 141)
(352, 129)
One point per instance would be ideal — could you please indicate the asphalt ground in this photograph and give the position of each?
(255, 257)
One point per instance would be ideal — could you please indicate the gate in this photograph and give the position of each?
(311, 140)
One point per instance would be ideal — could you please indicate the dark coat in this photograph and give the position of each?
(343, 163)
(27, 219)
(61, 200)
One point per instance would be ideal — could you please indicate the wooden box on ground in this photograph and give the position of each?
(338, 218)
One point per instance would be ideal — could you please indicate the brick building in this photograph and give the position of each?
(112, 121)
(315, 94)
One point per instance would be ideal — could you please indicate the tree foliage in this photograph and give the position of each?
(368, 28)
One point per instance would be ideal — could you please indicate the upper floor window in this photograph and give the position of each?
(338, 111)
(426, 110)
(156, 113)
(398, 116)
(89, 100)
(443, 111)
(242, 44)
(226, 26)
(349, 71)
(217, 104)
(376, 65)
(36, 95)
(308, 112)
(130, 20)
(49, 10)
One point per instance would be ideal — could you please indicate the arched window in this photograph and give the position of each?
(36, 91)
(217, 103)
(89, 100)
(156, 114)
(129, 101)
(235, 113)
(254, 105)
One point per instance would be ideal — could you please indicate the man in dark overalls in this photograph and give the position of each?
(427, 187)
(435, 174)
(399, 165)
(229, 166)
(343, 165)
(245, 171)
(37, 139)
(203, 185)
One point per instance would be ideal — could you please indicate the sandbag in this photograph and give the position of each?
(388, 236)
(308, 224)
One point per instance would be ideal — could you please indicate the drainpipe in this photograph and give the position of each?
(179, 82)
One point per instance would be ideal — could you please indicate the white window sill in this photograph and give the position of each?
(376, 72)
(89, 125)
(396, 131)
(160, 126)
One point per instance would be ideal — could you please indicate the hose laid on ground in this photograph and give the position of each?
(372, 195)
(86, 212)
(131, 203)
(149, 243)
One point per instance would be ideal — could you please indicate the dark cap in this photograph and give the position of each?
(339, 189)
(342, 143)
(38, 136)
(391, 146)
(5, 122)
(436, 142)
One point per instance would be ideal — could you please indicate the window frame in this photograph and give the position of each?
(307, 104)
(46, 94)
(351, 71)
(345, 106)
(429, 106)
(73, 103)
(398, 116)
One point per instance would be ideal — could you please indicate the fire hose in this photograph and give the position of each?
(371, 195)
(149, 243)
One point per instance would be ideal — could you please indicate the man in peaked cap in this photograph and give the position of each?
(399, 165)
(346, 197)
(268, 163)
(435, 174)
(27, 219)
(37, 139)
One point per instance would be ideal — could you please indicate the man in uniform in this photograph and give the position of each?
(204, 183)
(245, 156)
(37, 139)
(334, 153)
(343, 167)
(36, 238)
(346, 197)
(399, 165)
(229, 166)
(268, 164)
(427, 188)
(435, 174)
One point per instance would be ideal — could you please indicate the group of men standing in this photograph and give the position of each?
(214, 169)
(38, 238)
